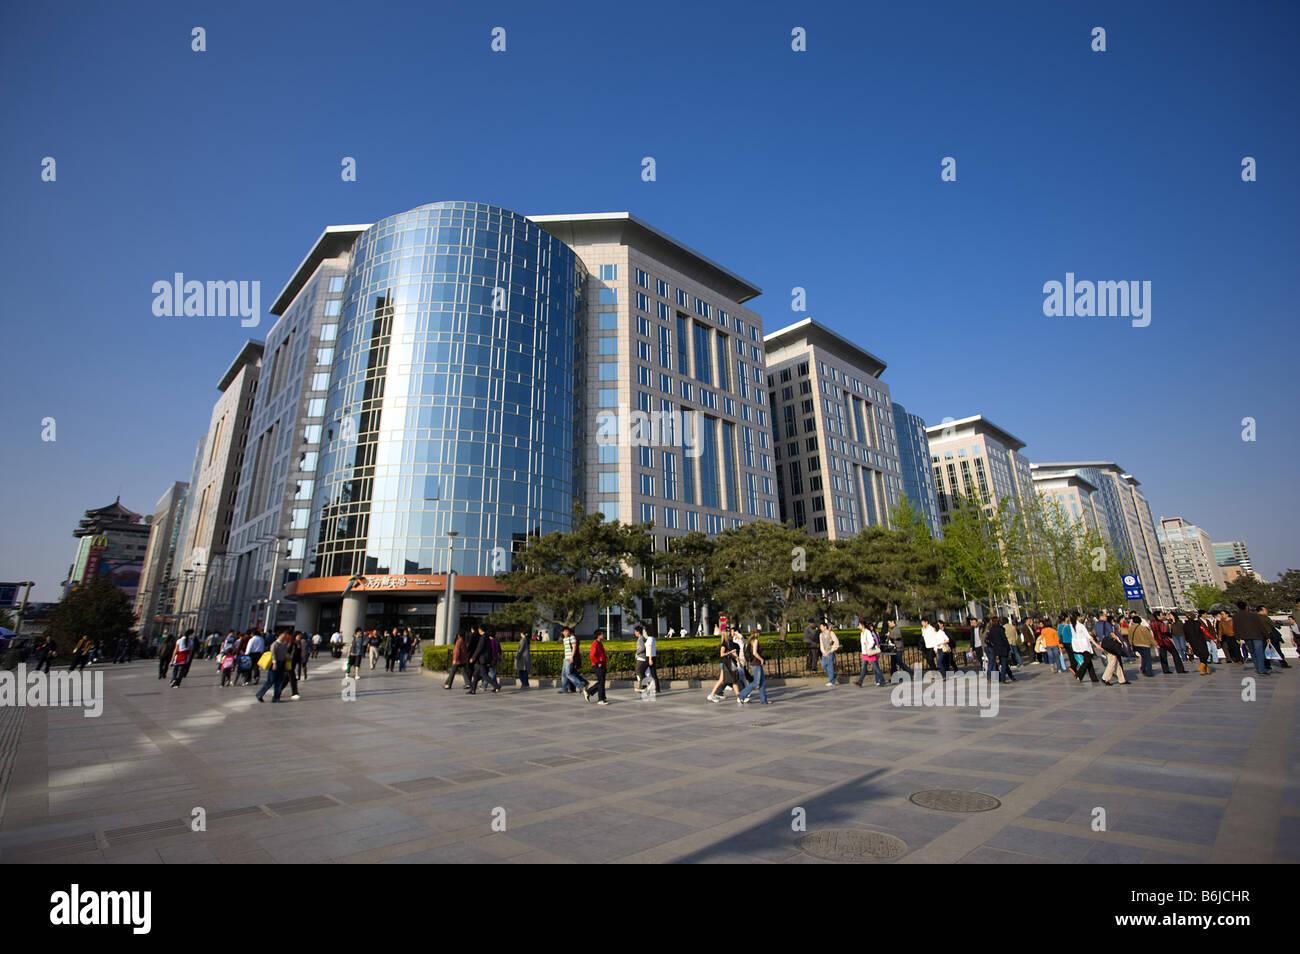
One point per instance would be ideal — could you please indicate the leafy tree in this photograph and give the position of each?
(97, 609)
(1254, 592)
(557, 576)
(972, 553)
(680, 576)
(1287, 589)
(760, 571)
(1203, 595)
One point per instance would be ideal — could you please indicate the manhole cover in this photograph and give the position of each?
(852, 844)
(955, 800)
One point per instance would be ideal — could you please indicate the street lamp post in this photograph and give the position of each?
(451, 588)
(181, 611)
(270, 591)
(22, 607)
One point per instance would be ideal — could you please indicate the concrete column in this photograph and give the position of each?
(306, 615)
(353, 616)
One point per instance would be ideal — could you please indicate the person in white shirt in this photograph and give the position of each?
(870, 648)
(943, 651)
(256, 646)
(315, 645)
(1082, 644)
(929, 642)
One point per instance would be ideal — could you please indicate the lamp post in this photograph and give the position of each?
(22, 607)
(181, 611)
(270, 591)
(451, 588)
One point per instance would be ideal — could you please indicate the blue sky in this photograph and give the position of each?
(816, 169)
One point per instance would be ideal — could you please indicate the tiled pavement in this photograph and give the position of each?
(1185, 770)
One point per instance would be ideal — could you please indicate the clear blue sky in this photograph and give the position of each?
(817, 169)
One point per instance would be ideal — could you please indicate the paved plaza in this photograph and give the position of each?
(1183, 769)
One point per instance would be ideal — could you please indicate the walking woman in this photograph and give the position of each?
(1165, 647)
(355, 652)
(730, 674)
(523, 659)
(870, 648)
(1081, 645)
(756, 663)
(459, 662)
(1195, 637)
(1113, 646)
(893, 645)
(1143, 641)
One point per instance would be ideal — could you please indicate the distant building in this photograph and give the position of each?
(836, 450)
(978, 461)
(209, 512)
(157, 593)
(1079, 500)
(918, 474)
(111, 542)
(1132, 531)
(1234, 553)
(1189, 558)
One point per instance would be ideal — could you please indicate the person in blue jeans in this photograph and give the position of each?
(829, 644)
(275, 678)
(759, 682)
(870, 649)
(568, 674)
(943, 652)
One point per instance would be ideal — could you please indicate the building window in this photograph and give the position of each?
(642, 279)
(609, 273)
(329, 332)
(608, 370)
(608, 397)
(336, 283)
(608, 321)
(608, 296)
(608, 482)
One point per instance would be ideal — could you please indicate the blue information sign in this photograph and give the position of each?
(1132, 587)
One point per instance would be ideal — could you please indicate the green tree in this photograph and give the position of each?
(1254, 591)
(972, 554)
(1203, 595)
(97, 609)
(681, 576)
(1287, 589)
(557, 576)
(761, 571)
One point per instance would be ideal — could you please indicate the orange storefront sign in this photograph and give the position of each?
(392, 583)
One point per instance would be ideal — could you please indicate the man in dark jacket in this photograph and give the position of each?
(811, 645)
(1273, 637)
(998, 650)
(459, 662)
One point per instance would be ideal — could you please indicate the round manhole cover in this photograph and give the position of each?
(955, 800)
(852, 844)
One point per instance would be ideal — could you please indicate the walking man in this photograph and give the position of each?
(598, 669)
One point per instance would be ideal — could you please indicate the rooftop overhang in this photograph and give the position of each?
(250, 353)
(977, 423)
(333, 242)
(818, 335)
(623, 228)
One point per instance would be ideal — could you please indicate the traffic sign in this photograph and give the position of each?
(1132, 587)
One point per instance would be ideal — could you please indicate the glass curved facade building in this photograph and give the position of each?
(453, 403)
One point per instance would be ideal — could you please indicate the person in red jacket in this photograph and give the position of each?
(598, 669)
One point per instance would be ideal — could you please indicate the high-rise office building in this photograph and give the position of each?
(833, 426)
(1188, 554)
(286, 433)
(1132, 531)
(918, 474)
(1077, 497)
(1234, 554)
(214, 483)
(676, 431)
(453, 417)
(977, 461)
(155, 599)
